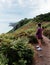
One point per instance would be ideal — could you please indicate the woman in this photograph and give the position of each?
(39, 37)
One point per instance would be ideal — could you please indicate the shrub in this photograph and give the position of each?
(32, 39)
(3, 59)
(47, 33)
(17, 53)
(29, 31)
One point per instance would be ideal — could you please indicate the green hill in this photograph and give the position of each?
(19, 24)
(16, 46)
(40, 18)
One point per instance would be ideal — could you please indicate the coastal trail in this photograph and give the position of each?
(44, 59)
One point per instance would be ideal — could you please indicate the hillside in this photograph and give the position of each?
(31, 27)
(40, 18)
(19, 24)
(17, 46)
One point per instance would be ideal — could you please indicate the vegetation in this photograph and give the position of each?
(16, 48)
(42, 17)
(18, 52)
(47, 33)
(19, 24)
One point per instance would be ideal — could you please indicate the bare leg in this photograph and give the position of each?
(39, 42)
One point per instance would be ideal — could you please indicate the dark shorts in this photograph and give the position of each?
(39, 37)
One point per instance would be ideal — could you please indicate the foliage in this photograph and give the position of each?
(3, 59)
(18, 52)
(32, 39)
(42, 17)
(47, 33)
(20, 23)
(14, 47)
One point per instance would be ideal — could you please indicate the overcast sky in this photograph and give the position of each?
(15, 10)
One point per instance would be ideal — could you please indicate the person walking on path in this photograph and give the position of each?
(39, 36)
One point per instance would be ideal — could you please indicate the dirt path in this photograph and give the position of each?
(45, 58)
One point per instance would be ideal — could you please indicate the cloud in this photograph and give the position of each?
(14, 10)
(21, 3)
(44, 6)
(9, 18)
(39, 7)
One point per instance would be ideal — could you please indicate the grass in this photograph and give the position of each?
(26, 34)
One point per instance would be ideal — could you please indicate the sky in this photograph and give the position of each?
(15, 10)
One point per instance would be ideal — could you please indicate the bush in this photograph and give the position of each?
(29, 31)
(32, 39)
(47, 33)
(3, 59)
(7, 36)
(17, 53)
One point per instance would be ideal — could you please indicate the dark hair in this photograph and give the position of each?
(39, 25)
